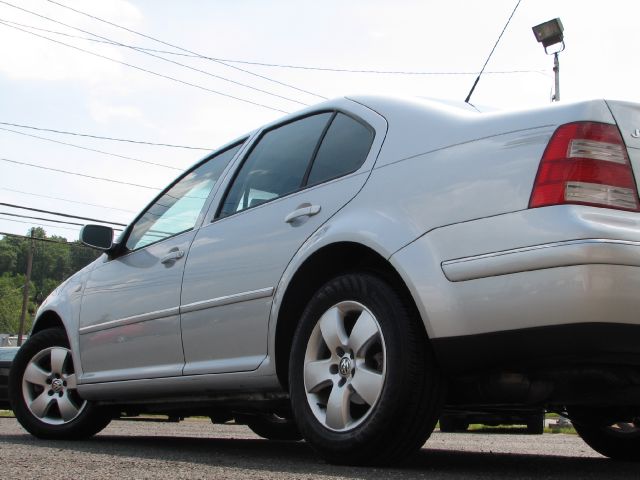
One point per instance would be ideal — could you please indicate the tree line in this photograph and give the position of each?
(53, 262)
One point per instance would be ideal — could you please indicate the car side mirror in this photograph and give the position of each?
(97, 236)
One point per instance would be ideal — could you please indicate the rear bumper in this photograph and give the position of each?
(544, 287)
(542, 348)
(550, 255)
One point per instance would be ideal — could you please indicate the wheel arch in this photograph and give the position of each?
(48, 319)
(319, 267)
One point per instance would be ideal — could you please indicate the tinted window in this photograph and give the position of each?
(276, 165)
(343, 150)
(177, 210)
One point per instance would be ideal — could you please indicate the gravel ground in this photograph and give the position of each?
(197, 449)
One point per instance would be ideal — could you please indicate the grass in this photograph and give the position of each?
(567, 430)
(516, 429)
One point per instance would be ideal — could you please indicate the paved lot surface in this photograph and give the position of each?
(198, 449)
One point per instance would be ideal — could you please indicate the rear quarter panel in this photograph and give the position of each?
(440, 167)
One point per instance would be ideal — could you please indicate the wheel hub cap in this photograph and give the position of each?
(344, 367)
(57, 385)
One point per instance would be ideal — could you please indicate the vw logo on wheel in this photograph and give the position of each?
(344, 367)
(57, 385)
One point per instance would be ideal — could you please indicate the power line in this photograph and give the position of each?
(73, 244)
(6, 234)
(41, 218)
(186, 50)
(39, 224)
(90, 149)
(157, 56)
(151, 72)
(48, 240)
(280, 65)
(367, 71)
(60, 214)
(64, 132)
(77, 174)
(66, 200)
(44, 224)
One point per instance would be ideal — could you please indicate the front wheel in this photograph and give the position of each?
(364, 385)
(43, 390)
(613, 434)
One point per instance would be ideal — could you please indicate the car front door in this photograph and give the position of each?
(294, 177)
(129, 321)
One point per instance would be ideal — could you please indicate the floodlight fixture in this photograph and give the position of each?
(548, 34)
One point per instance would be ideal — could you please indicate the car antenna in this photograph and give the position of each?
(492, 50)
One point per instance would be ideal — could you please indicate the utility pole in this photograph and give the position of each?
(25, 292)
(556, 72)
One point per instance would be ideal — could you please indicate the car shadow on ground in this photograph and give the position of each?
(299, 459)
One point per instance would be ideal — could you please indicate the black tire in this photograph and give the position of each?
(452, 424)
(410, 399)
(603, 437)
(273, 427)
(535, 424)
(90, 419)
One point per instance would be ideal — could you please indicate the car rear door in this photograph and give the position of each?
(294, 177)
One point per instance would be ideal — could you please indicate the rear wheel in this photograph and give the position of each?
(613, 434)
(43, 390)
(364, 385)
(274, 427)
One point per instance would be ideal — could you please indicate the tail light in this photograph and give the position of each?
(586, 163)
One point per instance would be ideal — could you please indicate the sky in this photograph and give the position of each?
(49, 85)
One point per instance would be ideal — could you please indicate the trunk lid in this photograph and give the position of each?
(627, 116)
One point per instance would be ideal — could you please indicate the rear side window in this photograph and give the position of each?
(344, 148)
(277, 164)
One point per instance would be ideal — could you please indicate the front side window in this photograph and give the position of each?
(177, 210)
(277, 164)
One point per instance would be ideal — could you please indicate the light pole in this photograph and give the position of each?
(548, 34)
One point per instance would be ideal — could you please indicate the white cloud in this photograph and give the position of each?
(105, 112)
(35, 58)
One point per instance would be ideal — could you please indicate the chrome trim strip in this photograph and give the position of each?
(191, 307)
(537, 257)
(129, 320)
(226, 300)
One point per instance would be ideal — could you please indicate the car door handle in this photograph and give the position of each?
(303, 211)
(172, 256)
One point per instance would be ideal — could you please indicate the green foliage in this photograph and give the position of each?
(11, 288)
(8, 257)
(52, 264)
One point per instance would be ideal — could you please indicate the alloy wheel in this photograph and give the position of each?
(49, 387)
(344, 366)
